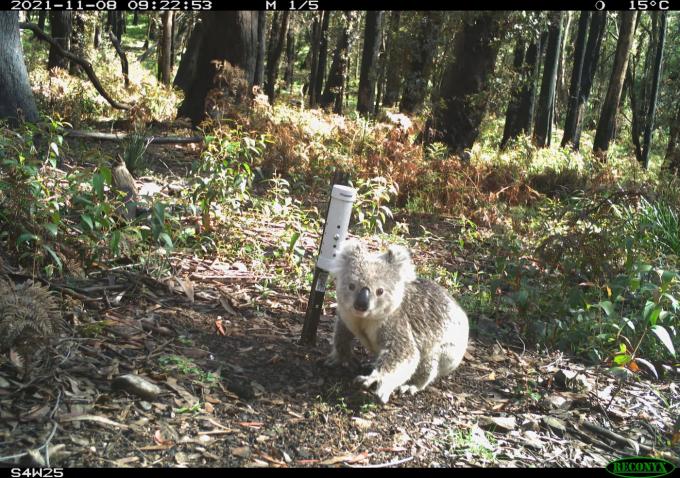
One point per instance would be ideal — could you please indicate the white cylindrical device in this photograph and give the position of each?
(337, 222)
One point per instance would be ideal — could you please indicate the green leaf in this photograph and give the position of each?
(665, 338)
(52, 228)
(54, 255)
(622, 359)
(607, 306)
(106, 174)
(115, 242)
(26, 237)
(165, 239)
(293, 240)
(98, 185)
(88, 221)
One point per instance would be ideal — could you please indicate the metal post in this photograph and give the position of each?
(318, 290)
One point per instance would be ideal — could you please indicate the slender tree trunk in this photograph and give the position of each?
(16, 97)
(228, 35)
(135, 18)
(394, 62)
(607, 123)
(334, 92)
(261, 47)
(42, 16)
(462, 100)
(421, 62)
(515, 100)
(576, 75)
(590, 63)
(656, 78)
(313, 56)
(173, 32)
(320, 75)
(546, 100)
(290, 57)
(369, 60)
(275, 56)
(60, 24)
(672, 159)
(165, 47)
(561, 89)
(78, 41)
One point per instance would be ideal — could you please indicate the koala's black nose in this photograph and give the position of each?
(362, 299)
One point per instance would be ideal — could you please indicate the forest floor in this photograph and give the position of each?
(237, 389)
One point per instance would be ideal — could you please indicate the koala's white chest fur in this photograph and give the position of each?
(366, 330)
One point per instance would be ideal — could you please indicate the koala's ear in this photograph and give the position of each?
(400, 258)
(351, 251)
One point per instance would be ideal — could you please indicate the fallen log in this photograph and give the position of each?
(73, 133)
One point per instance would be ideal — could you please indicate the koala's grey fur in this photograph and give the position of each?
(417, 331)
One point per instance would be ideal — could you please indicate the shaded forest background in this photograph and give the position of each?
(549, 140)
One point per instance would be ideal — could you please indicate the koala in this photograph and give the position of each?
(416, 330)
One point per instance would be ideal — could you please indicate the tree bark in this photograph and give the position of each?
(320, 75)
(420, 65)
(546, 99)
(122, 56)
(590, 62)
(60, 24)
(290, 57)
(164, 51)
(275, 56)
(334, 92)
(228, 35)
(575, 85)
(672, 159)
(369, 60)
(512, 113)
(462, 100)
(261, 47)
(607, 122)
(656, 78)
(16, 98)
(394, 62)
(78, 41)
(187, 64)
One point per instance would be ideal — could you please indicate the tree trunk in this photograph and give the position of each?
(16, 98)
(279, 37)
(261, 47)
(369, 60)
(290, 57)
(607, 122)
(512, 112)
(320, 75)
(78, 41)
(60, 24)
(312, 59)
(42, 16)
(575, 85)
(421, 62)
(655, 89)
(165, 48)
(394, 62)
(462, 99)
(672, 160)
(590, 62)
(228, 35)
(546, 99)
(334, 92)
(187, 64)
(135, 18)
(561, 93)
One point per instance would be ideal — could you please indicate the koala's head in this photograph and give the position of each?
(371, 286)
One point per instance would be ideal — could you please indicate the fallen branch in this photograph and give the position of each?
(383, 465)
(122, 136)
(86, 65)
(637, 447)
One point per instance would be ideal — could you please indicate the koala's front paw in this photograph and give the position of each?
(334, 359)
(410, 389)
(367, 381)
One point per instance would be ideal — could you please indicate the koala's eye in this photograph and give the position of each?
(352, 287)
(379, 291)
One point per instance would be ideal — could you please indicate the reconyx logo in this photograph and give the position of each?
(640, 466)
